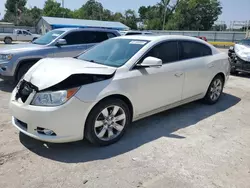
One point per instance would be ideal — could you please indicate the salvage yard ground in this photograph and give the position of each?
(195, 145)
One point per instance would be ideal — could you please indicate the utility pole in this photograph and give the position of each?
(16, 14)
(62, 3)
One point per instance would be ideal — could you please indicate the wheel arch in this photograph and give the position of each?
(21, 63)
(121, 97)
(222, 75)
(8, 37)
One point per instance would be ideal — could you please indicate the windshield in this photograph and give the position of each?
(113, 52)
(48, 37)
(245, 42)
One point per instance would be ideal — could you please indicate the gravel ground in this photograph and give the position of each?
(190, 146)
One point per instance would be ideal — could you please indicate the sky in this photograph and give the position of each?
(233, 10)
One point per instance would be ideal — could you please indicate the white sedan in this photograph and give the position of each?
(98, 94)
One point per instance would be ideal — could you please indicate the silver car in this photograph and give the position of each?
(16, 60)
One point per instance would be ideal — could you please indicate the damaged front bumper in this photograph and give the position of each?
(59, 124)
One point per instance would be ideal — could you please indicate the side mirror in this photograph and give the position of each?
(61, 42)
(150, 62)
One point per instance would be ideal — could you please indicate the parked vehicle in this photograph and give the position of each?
(135, 32)
(15, 60)
(98, 94)
(202, 38)
(18, 35)
(239, 57)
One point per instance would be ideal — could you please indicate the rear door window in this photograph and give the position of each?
(76, 37)
(87, 37)
(189, 50)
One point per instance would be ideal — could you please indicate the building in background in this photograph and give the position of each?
(46, 24)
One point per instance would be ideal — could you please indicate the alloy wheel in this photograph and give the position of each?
(110, 123)
(215, 90)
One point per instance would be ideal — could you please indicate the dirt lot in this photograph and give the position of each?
(190, 146)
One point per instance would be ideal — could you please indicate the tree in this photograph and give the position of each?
(130, 19)
(54, 9)
(195, 15)
(155, 17)
(92, 10)
(14, 10)
(13, 5)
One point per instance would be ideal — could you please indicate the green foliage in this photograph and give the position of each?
(167, 14)
(195, 15)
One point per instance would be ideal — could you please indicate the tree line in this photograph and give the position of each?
(167, 14)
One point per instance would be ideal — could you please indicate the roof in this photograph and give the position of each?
(158, 38)
(85, 29)
(135, 31)
(68, 22)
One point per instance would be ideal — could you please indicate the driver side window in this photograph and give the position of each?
(19, 32)
(166, 51)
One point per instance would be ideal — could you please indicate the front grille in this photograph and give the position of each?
(21, 124)
(24, 89)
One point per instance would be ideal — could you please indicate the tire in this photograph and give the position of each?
(96, 124)
(7, 40)
(22, 70)
(214, 93)
(33, 39)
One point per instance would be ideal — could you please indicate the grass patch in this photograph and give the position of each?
(225, 44)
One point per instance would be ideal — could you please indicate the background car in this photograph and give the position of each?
(135, 32)
(18, 35)
(124, 79)
(239, 56)
(15, 60)
(202, 38)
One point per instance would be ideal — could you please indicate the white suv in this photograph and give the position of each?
(98, 94)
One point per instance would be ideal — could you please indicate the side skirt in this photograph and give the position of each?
(173, 105)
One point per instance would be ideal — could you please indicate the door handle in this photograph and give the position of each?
(179, 74)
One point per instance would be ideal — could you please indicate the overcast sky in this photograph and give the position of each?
(232, 9)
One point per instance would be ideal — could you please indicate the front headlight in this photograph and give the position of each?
(6, 56)
(55, 98)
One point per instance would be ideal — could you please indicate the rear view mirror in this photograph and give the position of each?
(150, 62)
(61, 42)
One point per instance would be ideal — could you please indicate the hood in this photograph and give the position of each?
(15, 48)
(51, 71)
(242, 51)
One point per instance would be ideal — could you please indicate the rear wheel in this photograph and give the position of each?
(215, 90)
(7, 40)
(107, 122)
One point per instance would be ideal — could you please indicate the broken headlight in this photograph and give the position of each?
(54, 98)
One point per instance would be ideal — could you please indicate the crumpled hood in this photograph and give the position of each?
(15, 48)
(51, 71)
(242, 51)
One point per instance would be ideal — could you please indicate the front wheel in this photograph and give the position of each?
(107, 122)
(215, 90)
